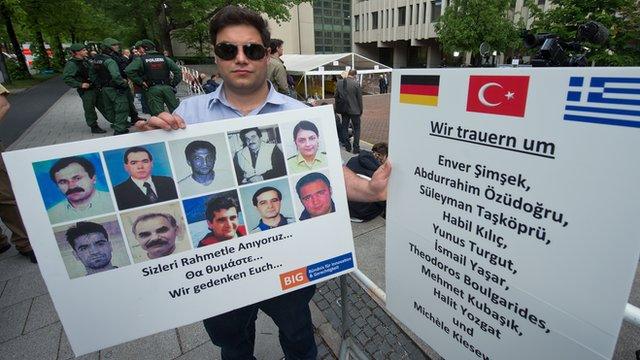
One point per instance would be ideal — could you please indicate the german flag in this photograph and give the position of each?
(419, 89)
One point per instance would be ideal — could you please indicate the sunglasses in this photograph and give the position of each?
(227, 51)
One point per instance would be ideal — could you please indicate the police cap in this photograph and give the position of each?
(110, 42)
(77, 47)
(148, 44)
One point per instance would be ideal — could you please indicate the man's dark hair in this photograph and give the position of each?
(381, 148)
(235, 15)
(146, 217)
(84, 228)
(244, 132)
(264, 190)
(274, 44)
(136, 149)
(219, 203)
(305, 125)
(353, 72)
(64, 162)
(191, 148)
(309, 178)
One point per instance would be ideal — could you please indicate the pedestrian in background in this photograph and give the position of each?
(276, 72)
(349, 105)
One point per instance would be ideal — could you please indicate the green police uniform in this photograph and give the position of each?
(78, 71)
(122, 64)
(152, 71)
(113, 93)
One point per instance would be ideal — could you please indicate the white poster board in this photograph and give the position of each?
(138, 295)
(512, 220)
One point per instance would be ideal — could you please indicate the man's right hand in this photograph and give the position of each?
(85, 85)
(164, 121)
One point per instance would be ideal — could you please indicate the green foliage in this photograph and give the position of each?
(466, 24)
(15, 73)
(621, 17)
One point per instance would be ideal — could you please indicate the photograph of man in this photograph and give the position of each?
(222, 220)
(90, 247)
(76, 194)
(257, 160)
(306, 138)
(268, 201)
(202, 164)
(314, 192)
(156, 233)
(267, 205)
(142, 187)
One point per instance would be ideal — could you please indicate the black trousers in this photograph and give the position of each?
(355, 121)
(234, 332)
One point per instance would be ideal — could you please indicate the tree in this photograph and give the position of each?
(7, 11)
(621, 17)
(189, 17)
(466, 24)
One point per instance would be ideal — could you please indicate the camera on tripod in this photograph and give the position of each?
(553, 51)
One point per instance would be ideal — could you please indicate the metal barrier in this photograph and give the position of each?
(349, 349)
(191, 78)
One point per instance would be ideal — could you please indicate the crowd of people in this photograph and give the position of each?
(246, 59)
(107, 81)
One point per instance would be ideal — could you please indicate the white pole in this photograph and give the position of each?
(306, 95)
(323, 86)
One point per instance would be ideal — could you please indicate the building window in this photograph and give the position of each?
(436, 7)
(393, 17)
(374, 20)
(356, 22)
(410, 14)
(402, 15)
(541, 2)
(386, 18)
(424, 12)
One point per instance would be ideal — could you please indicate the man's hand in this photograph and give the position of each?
(164, 121)
(85, 85)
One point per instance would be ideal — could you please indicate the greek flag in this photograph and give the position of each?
(604, 100)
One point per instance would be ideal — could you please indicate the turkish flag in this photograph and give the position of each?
(501, 95)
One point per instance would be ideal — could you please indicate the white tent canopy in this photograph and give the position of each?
(330, 64)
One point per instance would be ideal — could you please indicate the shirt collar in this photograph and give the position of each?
(300, 159)
(218, 96)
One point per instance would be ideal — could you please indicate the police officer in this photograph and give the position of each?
(113, 50)
(152, 71)
(114, 89)
(78, 73)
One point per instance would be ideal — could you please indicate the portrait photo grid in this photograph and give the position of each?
(113, 208)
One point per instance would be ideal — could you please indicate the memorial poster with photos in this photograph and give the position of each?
(512, 214)
(141, 233)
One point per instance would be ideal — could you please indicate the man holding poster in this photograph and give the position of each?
(239, 37)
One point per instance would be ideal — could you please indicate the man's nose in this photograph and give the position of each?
(241, 57)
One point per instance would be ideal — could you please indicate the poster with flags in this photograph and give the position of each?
(512, 209)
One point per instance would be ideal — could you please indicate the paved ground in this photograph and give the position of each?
(24, 111)
(30, 329)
